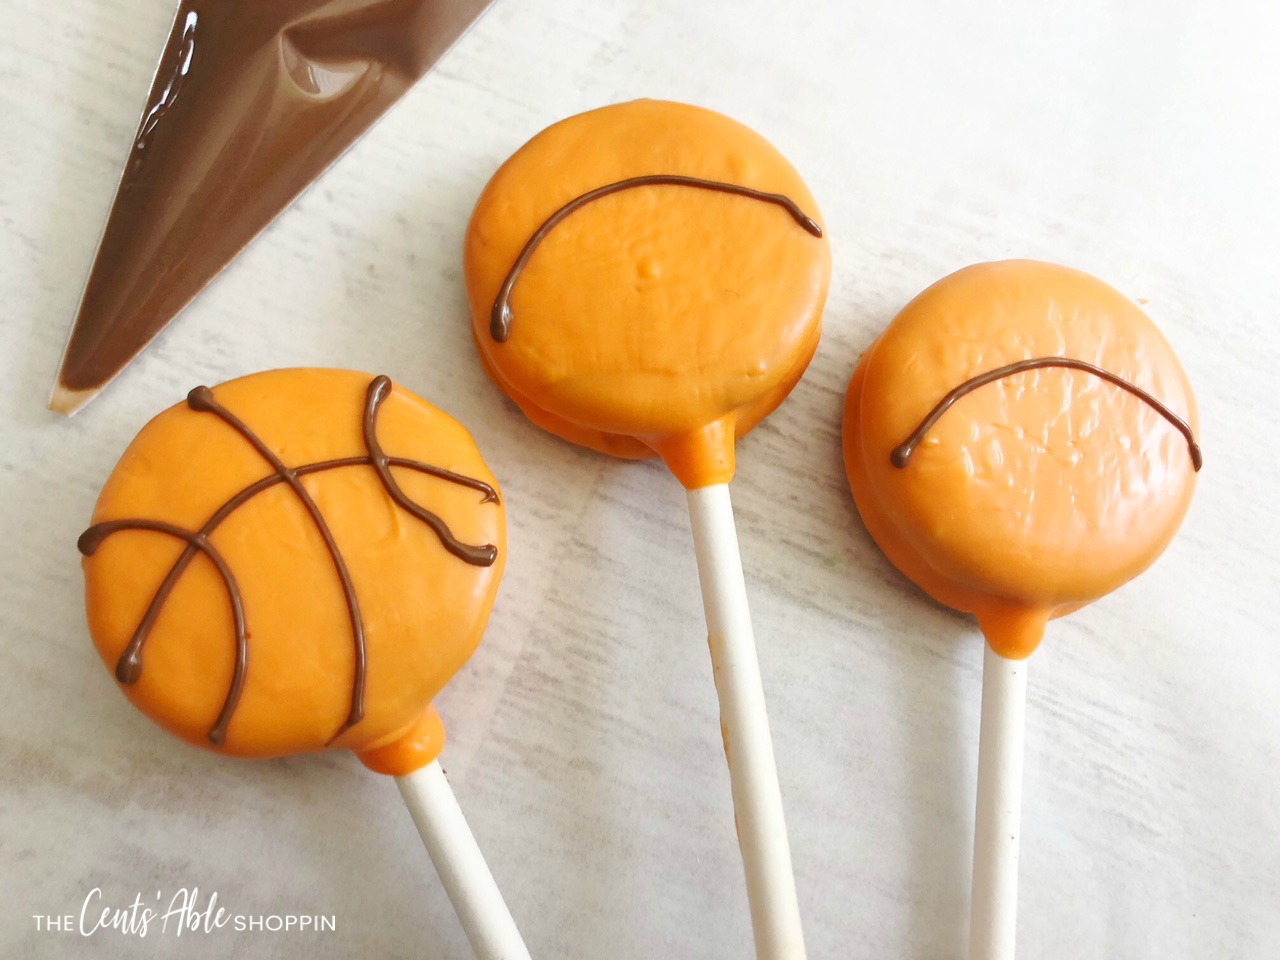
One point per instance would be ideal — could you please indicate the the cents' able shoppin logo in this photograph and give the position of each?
(182, 912)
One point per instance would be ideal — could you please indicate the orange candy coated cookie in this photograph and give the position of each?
(293, 561)
(1047, 487)
(648, 278)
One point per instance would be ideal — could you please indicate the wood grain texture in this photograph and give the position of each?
(1136, 141)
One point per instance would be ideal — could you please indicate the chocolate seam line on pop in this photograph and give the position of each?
(501, 316)
(901, 454)
(92, 538)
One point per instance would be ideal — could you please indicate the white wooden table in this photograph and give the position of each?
(1136, 141)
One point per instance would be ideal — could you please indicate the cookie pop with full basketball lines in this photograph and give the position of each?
(300, 560)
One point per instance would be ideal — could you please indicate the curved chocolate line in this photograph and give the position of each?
(130, 665)
(476, 556)
(500, 316)
(129, 668)
(901, 454)
(202, 399)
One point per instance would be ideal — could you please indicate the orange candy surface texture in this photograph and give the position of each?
(1037, 493)
(661, 319)
(423, 609)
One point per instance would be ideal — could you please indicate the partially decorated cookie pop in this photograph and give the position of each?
(300, 560)
(1020, 441)
(648, 279)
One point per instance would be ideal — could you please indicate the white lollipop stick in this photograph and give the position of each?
(458, 860)
(993, 916)
(753, 774)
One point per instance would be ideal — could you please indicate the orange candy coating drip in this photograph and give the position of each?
(422, 608)
(1037, 493)
(661, 319)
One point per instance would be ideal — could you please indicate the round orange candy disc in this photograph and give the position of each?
(1021, 441)
(293, 561)
(648, 278)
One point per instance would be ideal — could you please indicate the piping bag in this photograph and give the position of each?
(252, 101)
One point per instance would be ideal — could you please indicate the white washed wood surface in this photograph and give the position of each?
(1134, 140)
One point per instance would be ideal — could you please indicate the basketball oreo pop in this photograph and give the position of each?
(300, 560)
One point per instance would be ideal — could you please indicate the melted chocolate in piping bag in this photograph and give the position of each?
(252, 101)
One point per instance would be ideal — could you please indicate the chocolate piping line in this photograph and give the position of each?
(92, 538)
(901, 454)
(202, 399)
(501, 317)
(476, 556)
